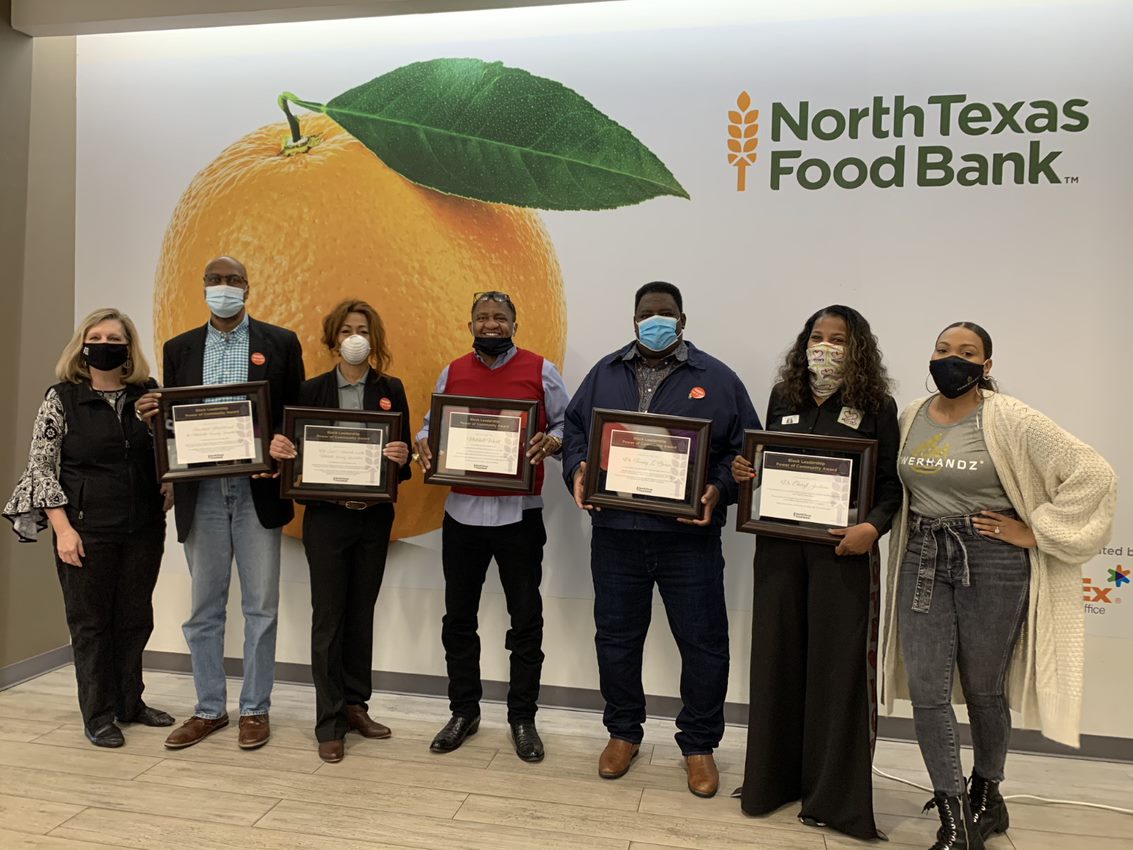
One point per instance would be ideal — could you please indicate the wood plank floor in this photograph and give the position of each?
(57, 791)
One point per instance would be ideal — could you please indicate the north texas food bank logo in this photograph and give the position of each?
(1096, 597)
(940, 126)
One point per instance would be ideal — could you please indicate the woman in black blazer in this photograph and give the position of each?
(346, 542)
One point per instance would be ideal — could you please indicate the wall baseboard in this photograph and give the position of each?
(584, 699)
(37, 665)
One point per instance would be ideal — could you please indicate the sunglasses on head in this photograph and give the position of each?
(490, 295)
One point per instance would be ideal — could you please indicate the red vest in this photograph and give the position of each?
(519, 378)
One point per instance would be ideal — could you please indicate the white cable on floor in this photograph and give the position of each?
(1102, 806)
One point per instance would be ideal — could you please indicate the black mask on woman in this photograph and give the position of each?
(106, 356)
(492, 346)
(954, 375)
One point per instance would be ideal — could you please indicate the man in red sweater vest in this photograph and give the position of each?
(481, 524)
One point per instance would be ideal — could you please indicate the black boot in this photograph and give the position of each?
(989, 811)
(957, 829)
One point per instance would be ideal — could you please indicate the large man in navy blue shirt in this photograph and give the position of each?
(630, 552)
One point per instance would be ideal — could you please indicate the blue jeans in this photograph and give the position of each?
(225, 525)
(962, 599)
(688, 570)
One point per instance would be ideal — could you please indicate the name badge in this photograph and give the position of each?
(793, 419)
(850, 417)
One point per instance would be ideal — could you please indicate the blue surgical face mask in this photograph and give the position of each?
(658, 332)
(224, 300)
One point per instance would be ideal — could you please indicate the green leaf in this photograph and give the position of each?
(483, 130)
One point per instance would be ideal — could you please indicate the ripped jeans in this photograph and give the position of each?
(962, 598)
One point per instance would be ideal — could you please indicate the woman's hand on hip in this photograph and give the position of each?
(1005, 528)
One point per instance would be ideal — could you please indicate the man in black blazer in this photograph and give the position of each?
(221, 519)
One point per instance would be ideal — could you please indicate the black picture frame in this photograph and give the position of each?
(447, 409)
(177, 399)
(296, 420)
(756, 445)
(681, 435)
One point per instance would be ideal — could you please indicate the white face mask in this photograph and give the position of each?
(827, 364)
(354, 349)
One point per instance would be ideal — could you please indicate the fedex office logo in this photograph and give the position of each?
(1098, 596)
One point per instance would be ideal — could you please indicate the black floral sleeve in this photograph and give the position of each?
(38, 487)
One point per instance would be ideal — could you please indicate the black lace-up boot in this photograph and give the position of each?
(957, 829)
(989, 811)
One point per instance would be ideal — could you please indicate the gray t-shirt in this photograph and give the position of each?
(947, 468)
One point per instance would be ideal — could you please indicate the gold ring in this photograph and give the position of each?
(997, 529)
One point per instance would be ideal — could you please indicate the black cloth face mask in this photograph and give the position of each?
(493, 346)
(954, 375)
(106, 356)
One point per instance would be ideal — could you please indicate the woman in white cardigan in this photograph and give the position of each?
(1001, 508)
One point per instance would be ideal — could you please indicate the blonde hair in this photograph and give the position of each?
(72, 365)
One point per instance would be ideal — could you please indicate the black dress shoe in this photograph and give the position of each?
(454, 733)
(107, 735)
(525, 737)
(149, 717)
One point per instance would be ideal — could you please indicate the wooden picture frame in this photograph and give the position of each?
(806, 472)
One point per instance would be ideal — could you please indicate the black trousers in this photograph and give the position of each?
(466, 552)
(109, 605)
(813, 703)
(346, 552)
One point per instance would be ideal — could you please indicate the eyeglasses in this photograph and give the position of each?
(229, 279)
(490, 295)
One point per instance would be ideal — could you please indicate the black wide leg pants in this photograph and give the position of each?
(813, 702)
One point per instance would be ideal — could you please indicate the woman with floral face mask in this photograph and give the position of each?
(1001, 508)
(813, 708)
(91, 477)
(346, 542)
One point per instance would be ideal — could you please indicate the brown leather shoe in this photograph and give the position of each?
(703, 777)
(361, 722)
(615, 759)
(194, 730)
(254, 731)
(331, 751)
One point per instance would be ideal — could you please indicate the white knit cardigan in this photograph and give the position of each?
(1066, 492)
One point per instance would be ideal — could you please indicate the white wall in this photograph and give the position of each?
(1044, 267)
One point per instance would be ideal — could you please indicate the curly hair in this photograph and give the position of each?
(866, 383)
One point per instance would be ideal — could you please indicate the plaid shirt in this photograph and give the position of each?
(226, 356)
(649, 378)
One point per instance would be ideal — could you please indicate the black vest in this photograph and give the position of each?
(107, 468)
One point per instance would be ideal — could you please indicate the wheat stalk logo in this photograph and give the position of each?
(742, 138)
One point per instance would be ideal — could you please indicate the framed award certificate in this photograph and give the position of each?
(482, 442)
(213, 431)
(806, 484)
(339, 454)
(647, 462)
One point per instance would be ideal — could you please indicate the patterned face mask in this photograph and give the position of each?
(827, 364)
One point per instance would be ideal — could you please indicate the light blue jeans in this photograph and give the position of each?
(225, 525)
